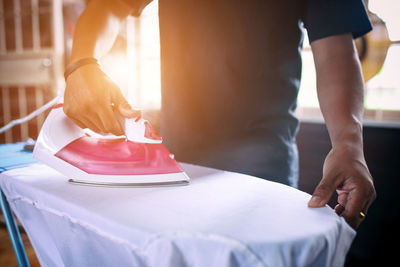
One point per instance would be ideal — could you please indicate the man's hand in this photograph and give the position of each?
(340, 93)
(92, 100)
(346, 172)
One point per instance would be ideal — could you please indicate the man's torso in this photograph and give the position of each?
(230, 77)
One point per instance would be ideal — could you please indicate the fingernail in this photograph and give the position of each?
(137, 112)
(128, 111)
(314, 201)
(138, 118)
(126, 105)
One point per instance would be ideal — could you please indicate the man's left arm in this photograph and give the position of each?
(340, 93)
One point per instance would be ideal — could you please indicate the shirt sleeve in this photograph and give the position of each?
(137, 6)
(325, 18)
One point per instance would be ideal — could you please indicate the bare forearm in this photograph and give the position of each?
(91, 99)
(97, 28)
(340, 93)
(340, 87)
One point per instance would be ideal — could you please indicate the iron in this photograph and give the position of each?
(136, 159)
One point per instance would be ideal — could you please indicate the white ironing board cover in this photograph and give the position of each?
(220, 219)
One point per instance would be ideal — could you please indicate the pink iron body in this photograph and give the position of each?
(137, 159)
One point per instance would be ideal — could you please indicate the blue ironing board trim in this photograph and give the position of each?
(13, 231)
(13, 156)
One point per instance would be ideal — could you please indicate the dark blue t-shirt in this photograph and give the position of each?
(230, 73)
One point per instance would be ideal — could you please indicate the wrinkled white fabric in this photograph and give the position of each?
(220, 219)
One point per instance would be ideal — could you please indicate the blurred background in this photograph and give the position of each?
(35, 44)
(36, 40)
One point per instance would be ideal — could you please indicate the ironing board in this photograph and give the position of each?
(220, 219)
(13, 156)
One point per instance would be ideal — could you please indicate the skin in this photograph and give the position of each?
(340, 93)
(93, 100)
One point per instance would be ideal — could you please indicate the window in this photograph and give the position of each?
(382, 92)
(142, 68)
(134, 62)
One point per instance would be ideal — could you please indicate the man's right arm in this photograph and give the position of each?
(91, 98)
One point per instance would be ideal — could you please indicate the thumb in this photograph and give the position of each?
(323, 192)
(122, 106)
